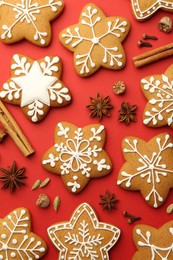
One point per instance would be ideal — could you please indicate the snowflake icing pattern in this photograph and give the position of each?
(144, 237)
(77, 157)
(29, 12)
(151, 170)
(89, 40)
(35, 86)
(159, 92)
(84, 236)
(15, 240)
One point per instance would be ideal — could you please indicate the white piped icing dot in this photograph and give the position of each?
(1, 257)
(14, 241)
(13, 254)
(3, 236)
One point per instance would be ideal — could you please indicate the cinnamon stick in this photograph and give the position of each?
(3, 135)
(14, 131)
(153, 55)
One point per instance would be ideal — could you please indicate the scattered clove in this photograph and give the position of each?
(146, 36)
(140, 43)
(165, 24)
(131, 218)
(43, 201)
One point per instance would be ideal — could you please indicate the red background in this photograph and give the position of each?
(41, 135)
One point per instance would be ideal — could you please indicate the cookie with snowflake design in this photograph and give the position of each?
(16, 239)
(28, 19)
(152, 243)
(148, 167)
(83, 237)
(143, 9)
(158, 89)
(96, 41)
(35, 86)
(78, 155)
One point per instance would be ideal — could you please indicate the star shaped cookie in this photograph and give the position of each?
(96, 41)
(83, 237)
(28, 19)
(78, 155)
(153, 243)
(16, 239)
(148, 167)
(158, 89)
(35, 86)
(143, 9)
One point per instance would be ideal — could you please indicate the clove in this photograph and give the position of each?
(131, 218)
(146, 36)
(144, 44)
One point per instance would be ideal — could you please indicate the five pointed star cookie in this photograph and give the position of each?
(158, 89)
(96, 41)
(153, 243)
(142, 9)
(28, 19)
(78, 155)
(84, 237)
(16, 240)
(35, 86)
(148, 167)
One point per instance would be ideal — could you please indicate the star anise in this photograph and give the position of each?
(127, 113)
(13, 177)
(108, 201)
(99, 106)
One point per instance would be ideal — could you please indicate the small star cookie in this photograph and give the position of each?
(96, 41)
(28, 19)
(143, 9)
(158, 89)
(148, 167)
(153, 243)
(35, 86)
(78, 155)
(83, 237)
(16, 239)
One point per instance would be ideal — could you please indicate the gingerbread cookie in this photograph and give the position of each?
(35, 86)
(16, 239)
(152, 243)
(78, 155)
(158, 89)
(83, 237)
(30, 20)
(96, 41)
(143, 9)
(148, 167)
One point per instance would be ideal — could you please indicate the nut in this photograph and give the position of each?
(165, 24)
(43, 201)
(119, 88)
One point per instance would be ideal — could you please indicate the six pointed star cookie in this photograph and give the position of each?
(96, 41)
(142, 9)
(153, 243)
(78, 155)
(35, 86)
(28, 19)
(16, 239)
(83, 237)
(158, 89)
(149, 167)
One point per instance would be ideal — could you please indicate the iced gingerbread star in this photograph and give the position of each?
(78, 155)
(83, 237)
(148, 167)
(158, 89)
(35, 86)
(152, 243)
(143, 9)
(16, 239)
(96, 41)
(28, 19)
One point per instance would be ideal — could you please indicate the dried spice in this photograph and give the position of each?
(13, 177)
(36, 185)
(44, 183)
(108, 201)
(119, 88)
(169, 209)
(43, 201)
(127, 113)
(165, 24)
(99, 106)
(3, 135)
(131, 219)
(151, 37)
(144, 44)
(56, 203)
